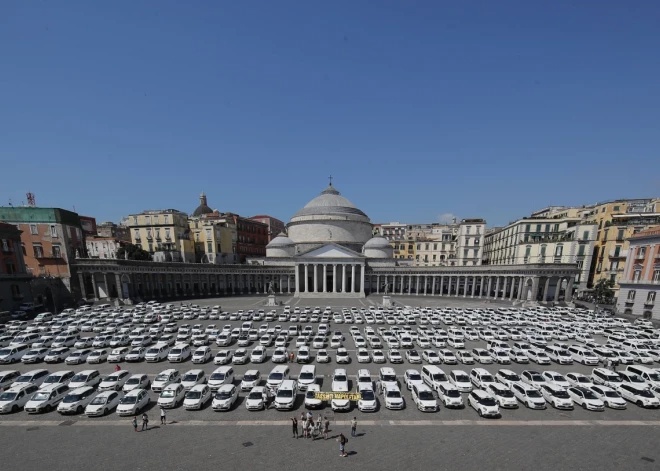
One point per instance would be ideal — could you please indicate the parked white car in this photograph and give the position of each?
(133, 402)
(197, 396)
(104, 403)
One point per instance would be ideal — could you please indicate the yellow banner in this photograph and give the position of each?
(328, 396)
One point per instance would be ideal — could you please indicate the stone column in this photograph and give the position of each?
(506, 283)
(83, 289)
(481, 287)
(513, 286)
(120, 291)
(306, 279)
(281, 284)
(442, 285)
(417, 286)
(316, 277)
(377, 284)
(95, 287)
(557, 289)
(568, 296)
(474, 285)
(521, 283)
(325, 278)
(490, 281)
(353, 278)
(362, 274)
(343, 277)
(535, 288)
(433, 285)
(233, 283)
(546, 288)
(465, 285)
(296, 275)
(402, 278)
(288, 283)
(334, 277)
(497, 287)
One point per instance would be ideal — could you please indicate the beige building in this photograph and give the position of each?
(618, 221)
(640, 281)
(540, 240)
(164, 232)
(215, 241)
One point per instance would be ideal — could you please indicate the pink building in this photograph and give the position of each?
(641, 276)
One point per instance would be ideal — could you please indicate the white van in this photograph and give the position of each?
(434, 376)
(387, 377)
(306, 377)
(277, 375)
(13, 354)
(583, 355)
(649, 375)
(43, 317)
(286, 395)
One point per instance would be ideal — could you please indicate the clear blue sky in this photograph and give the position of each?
(418, 109)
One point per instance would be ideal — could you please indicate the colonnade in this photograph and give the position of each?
(330, 278)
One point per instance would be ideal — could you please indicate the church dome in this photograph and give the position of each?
(280, 246)
(378, 247)
(330, 218)
(203, 208)
(329, 202)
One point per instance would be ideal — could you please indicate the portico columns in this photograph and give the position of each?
(83, 289)
(316, 277)
(481, 287)
(425, 283)
(546, 288)
(343, 277)
(417, 286)
(506, 283)
(568, 296)
(474, 284)
(325, 279)
(120, 291)
(334, 277)
(513, 285)
(442, 284)
(497, 288)
(557, 289)
(362, 290)
(490, 281)
(95, 287)
(377, 284)
(352, 278)
(306, 278)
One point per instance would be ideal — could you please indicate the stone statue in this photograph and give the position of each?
(271, 291)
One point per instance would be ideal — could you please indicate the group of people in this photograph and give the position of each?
(145, 422)
(307, 424)
(322, 423)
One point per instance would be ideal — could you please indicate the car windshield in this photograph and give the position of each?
(190, 377)
(612, 394)
(654, 377)
(368, 395)
(79, 378)
(223, 395)
(5, 351)
(487, 401)
(285, 393)
(394, 394)
(168, 393)
(98, 400)
(133, 381)
(487, 379)
(533, 393)
(560, 394)
(72, 398)
(436, 377)
(40, 396)
(414, 377)
(253, 377)
(24, 379)
(340, 378)
(583, 379)
(276, 376)
(152, 351)
(504, 393)
(306, 375)
(217, 376)
(128, 399)
(426, 395)
(193, 394)
(645, 393)
(240, 354)
(176, 351)
(52, 379)
(452, 393)
(162, 377)
(308, 395)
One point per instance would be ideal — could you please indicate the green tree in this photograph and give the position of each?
(603, 291)
(132, 252)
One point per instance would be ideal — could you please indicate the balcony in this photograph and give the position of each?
(649, 302)
(621, 254)
(640, 256)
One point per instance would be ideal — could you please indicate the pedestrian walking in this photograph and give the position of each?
(342, 445)
(163, 418)
(145, 421)
(326, 427)
(353, 426)
(294, 424)
(117, 368)
(134, 422)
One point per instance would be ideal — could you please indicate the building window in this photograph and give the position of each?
(15, 291)
(33, 229)
(135, 221)
(585, 235)
(137, 234)
(477, 241)
(208, 233)
(57, 251)
(149, 233)
(5, 245)
(581, 250)
(650, 298)
(466, 253)
(637, 275)
(580, 264)
(656, 276)
(38, 251)
(10, 268)
(619, 235)
(148, 220)
(209, 246)
(24, 250)
(559, 250)
(616, 208)
(631, 295)
(467, 229)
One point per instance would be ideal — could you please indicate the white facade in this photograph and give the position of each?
(470, 242)
(102, 247)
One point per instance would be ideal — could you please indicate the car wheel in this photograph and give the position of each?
(527, 404)
(48, 408)
(584, 406)
(639, 403)
(480, 413)
(14, 409)
(79, 410)
(105, 411)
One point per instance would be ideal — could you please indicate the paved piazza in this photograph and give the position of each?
(448, 439)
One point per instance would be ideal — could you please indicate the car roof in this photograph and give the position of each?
(226, 387)
(198, 387)
(173, 386)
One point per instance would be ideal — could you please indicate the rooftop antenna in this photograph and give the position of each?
(30, 199)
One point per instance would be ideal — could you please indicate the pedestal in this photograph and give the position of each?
(387, 301)
(271, 300)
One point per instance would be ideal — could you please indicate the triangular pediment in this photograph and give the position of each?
(331, 251)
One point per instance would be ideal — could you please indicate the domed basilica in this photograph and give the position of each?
(330, 244)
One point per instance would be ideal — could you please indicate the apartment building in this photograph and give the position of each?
(640, 281)
(14, 277)
(275, 226)
(215, 240)
(537, 240)
(163, 231)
